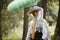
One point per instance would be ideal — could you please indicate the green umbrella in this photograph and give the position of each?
(20, 4)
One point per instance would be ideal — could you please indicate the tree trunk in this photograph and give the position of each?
(25, 23)
(57, 30)
(0, 26)
(43, 4)
(1, 6)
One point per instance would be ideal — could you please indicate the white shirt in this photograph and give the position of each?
(45, 31)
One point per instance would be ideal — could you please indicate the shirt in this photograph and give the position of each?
(44, 31)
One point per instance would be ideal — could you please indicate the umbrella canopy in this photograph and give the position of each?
(20, 4)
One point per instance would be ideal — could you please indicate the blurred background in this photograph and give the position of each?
(14, 25)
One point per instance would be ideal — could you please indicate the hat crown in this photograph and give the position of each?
(35, 8)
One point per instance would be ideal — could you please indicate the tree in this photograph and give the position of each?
(44, 6)
(25, 26)
(57, 30)
(1, 6)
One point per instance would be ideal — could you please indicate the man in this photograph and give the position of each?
(38, 27)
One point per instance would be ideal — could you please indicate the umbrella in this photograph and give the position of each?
(20, 4)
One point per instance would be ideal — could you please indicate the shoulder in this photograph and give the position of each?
(45, 21)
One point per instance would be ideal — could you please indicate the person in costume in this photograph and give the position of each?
(38, 29)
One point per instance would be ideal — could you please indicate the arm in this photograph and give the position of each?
(46, 33)
(29, 32)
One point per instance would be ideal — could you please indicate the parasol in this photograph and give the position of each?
(20, 4)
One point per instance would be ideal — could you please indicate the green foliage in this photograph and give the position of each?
(52, 11)
(10, 21)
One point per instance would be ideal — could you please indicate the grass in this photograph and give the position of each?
(12, 37)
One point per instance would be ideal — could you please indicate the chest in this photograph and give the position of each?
(38, 27)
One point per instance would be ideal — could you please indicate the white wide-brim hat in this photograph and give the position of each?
(37, 8)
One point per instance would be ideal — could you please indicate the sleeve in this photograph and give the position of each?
(46, 32)
(28, 36)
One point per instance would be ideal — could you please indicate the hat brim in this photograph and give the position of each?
(30, 12)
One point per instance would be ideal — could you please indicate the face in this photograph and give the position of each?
(35, 14)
